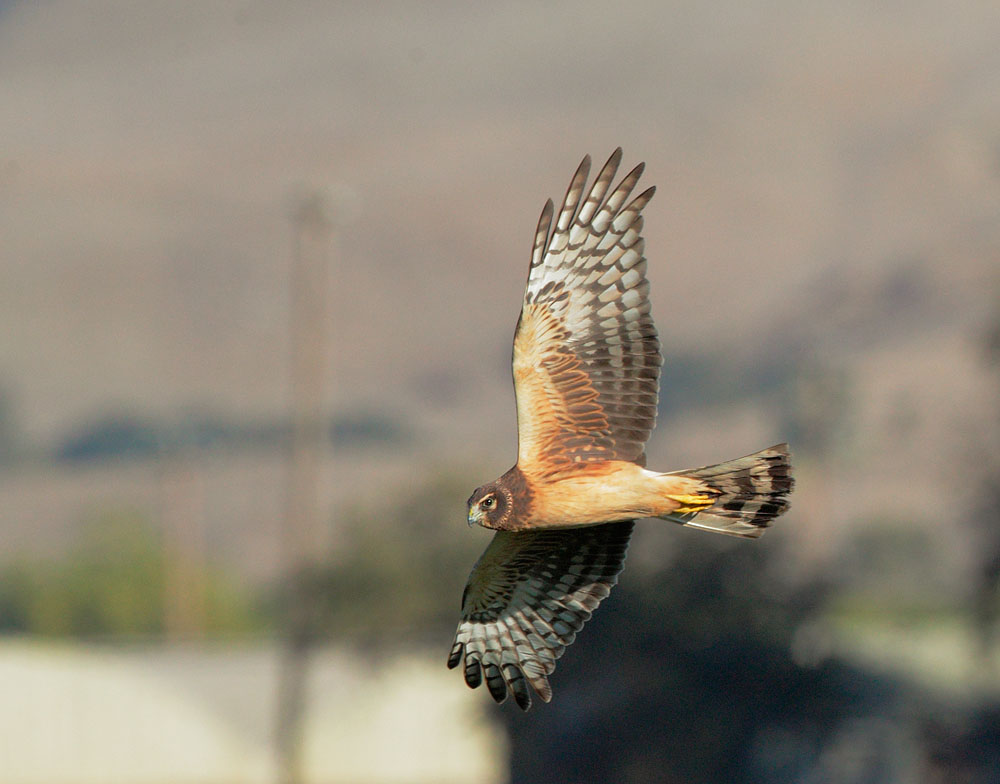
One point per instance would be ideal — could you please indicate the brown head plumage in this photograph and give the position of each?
(503, 505)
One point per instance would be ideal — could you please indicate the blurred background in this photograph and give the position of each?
(260, 266)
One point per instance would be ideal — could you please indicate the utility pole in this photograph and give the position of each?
(306, 537)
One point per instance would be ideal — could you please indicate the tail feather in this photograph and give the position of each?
(747, 493)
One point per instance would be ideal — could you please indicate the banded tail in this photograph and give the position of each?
(742, 496)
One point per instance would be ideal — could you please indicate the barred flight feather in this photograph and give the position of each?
(585, 338)
(516, 622)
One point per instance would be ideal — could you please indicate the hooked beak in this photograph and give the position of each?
(474, 517)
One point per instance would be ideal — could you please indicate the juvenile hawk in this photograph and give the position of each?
(586, 371)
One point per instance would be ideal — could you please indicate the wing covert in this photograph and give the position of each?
(526, 599)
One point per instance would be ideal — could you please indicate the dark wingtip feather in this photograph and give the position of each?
(643, 198)
(542, 233)
(630, 179)
(518, 686)
(455, 656)
(473, 673)
(495, 683)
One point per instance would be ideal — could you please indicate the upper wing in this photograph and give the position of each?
(527, 597)
(586, 355)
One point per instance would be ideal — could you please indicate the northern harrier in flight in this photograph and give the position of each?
(586, 371)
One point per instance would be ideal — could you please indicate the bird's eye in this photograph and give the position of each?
(488, 502)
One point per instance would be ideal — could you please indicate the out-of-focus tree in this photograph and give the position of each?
(400, 570)
(110, 585)
(817, 408)
(10, 434)
(891, 565)
(962, 752)
(986, 582)
(985, 598)
(117, 435)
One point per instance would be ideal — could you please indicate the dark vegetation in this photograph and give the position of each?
(118, 436)
(113, 584)
(715, 670)
(399, 576)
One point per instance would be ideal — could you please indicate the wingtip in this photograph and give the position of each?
(495, 683)
(581, 173)
(643, 198)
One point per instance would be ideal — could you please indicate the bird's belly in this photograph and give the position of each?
(620, 491)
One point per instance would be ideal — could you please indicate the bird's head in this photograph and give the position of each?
(490, 506)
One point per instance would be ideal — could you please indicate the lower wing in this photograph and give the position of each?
(526, 599)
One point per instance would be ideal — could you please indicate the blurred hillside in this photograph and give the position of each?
(148, 167)
(829, 189)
